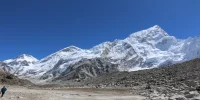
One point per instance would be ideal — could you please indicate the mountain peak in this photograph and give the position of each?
(24, 55)
(156, 26)
(155, 31)
(21, 60)
(158, 29)
(71, 48)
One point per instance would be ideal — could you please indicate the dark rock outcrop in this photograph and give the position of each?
(6, 78)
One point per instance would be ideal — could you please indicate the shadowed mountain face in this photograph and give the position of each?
(85, 69)
(4, 67)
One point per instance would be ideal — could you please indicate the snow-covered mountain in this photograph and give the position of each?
(19, 63)
(148, 48)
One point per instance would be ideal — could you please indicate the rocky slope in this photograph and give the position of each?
(9, 79)
(180, 80)
(178, 73)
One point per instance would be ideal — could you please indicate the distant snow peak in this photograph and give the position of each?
(24, 55)
(21, 60)
(71, 49)
(158, 28)
(152, 33)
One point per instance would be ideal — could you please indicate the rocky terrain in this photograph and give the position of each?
(22, 93)
(9, 79)
(176, 81)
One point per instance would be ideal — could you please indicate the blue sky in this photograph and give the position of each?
(42, 27)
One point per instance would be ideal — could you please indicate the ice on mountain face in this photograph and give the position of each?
(165, 43)
(150, 35)
(98, 50)
(191, 48)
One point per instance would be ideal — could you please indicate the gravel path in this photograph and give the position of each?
(22, 93)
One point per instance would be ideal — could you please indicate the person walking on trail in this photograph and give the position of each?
(3, 91)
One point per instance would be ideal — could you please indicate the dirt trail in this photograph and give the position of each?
(22, 93)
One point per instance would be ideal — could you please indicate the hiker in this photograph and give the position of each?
(3, 90)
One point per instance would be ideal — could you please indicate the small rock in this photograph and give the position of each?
(190, 95)
(148, 86)
(195, 99)
(180, 98)
(198, 88)
(19, 97)
(191, 89)
(186, 93)
(191, 83)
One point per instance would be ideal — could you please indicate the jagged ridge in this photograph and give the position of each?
(145, 49)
